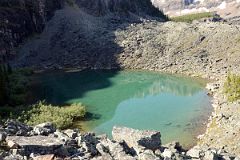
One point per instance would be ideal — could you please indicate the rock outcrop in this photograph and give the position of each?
(20, 19)
(89, 146)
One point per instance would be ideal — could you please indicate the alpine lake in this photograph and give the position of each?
(176, 106)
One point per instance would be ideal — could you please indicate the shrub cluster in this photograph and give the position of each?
(232, 87)
(61, 117)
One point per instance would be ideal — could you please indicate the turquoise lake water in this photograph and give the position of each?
(174, 105)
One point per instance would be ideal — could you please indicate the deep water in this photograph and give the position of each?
(176, 106)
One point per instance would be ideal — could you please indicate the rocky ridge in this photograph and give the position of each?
(45, 142)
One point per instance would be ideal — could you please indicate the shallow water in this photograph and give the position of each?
(174, 105)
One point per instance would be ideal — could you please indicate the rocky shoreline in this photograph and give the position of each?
(223, 127)
(44, 142)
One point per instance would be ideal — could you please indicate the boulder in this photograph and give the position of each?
(117, 150)
(3, 136)
(148, 155)
(62, 136)
(194, 152)
(14, 157)
(44, 157)
(174, 146)
(137, 139)
(88, 141)
(71, 133)
(44, 129)
(35, 144)
(17, 151)
(103, 157)
(13, 127)
(209, 155)
(167, 153)
(12, 145)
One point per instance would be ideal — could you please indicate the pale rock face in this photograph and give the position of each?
(222, 5)
(226, 8)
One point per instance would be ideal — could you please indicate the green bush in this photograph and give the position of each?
(13, 85)
(191, 17)
(232, 87)
(61, 117)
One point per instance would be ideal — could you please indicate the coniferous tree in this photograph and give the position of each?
(3, 84)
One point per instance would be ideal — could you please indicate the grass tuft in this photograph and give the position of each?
(232, 87)
(189, 18)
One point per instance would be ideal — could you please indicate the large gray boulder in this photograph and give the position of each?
(35, 144)
(138, 139)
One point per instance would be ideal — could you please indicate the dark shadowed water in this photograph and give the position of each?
(174, 105)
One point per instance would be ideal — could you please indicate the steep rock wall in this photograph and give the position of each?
(20, 19)
(103, 7)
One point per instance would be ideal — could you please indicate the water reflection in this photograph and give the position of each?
(174, 85)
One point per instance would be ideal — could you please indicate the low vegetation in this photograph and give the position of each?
(13, 95)
(189, 18)
(61, 117)
(232, 87)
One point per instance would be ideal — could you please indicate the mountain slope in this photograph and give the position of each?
(103, 7)
(21, 19)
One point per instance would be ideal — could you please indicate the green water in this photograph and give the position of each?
(174, 105)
